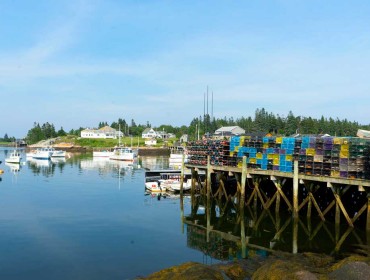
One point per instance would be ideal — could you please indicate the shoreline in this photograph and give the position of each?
(142, 151)
(278, 265)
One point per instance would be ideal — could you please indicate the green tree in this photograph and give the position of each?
(61, 132)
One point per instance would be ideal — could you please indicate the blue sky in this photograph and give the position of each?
(76, 63)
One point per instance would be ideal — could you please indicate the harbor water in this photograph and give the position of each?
(84, 218)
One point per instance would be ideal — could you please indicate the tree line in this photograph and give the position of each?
(262, 122)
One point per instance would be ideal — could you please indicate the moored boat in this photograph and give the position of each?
(58, 153)
(15, 157)
(174, 185)
(154, 187)
(43, 153)
(123, 153)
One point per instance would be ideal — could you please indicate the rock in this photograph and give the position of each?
(352, 270)
(186, 271)
(307, 266)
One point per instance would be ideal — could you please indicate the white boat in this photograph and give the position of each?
(103, 153)
(154, 187)
(43, 153)
(58, 153)
(15, 157)
(174, 185)
(123, 153)
(30, 154)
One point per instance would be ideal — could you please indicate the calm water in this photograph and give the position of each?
(82, 218)
(86, 219)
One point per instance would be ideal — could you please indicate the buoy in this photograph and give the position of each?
(1, 171)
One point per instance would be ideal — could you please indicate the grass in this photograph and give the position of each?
(5, 143)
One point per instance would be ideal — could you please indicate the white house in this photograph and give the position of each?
(184, 138)
(105, 132)
(229, 130)
(149, 133)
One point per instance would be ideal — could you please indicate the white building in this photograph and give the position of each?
(149, 133)
(105, 132)
(229, 130)
(184, 138)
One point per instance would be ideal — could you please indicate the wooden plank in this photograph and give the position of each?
(342, 239)
(223, 188)
(316, 206)
(295, 189)
(304, 202)
(243, 180)
(208, 177)
(329, 207)
(260, 196)
(341, 206)
(359, 213)
(252, 196)
(271, 200)
(284, 197)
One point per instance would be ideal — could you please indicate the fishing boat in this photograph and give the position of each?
(43, 153)
(174, 185)
(154, 187)
(15, 157)
(58, 153)
(123, 153)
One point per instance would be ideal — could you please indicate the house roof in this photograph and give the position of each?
(227, 129)
(107, 129)
(146, 130)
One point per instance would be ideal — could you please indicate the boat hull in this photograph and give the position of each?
(154, 187)
(105, 154)
(13, 160)
(14, 157)
(58, 154)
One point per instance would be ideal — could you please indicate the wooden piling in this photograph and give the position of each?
(295, 190)
(209, 170)
(243, 180)
(182, 175)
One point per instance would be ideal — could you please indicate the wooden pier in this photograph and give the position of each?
(306, 194)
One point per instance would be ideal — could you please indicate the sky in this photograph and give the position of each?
(76, 63)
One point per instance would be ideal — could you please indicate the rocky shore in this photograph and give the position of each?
(305, 266)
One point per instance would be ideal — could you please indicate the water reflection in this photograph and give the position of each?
(221, 231)
(13, 167)
(41, 167)
(156, 163)
(106, 166)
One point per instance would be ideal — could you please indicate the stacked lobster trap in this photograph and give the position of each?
(344, 157)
